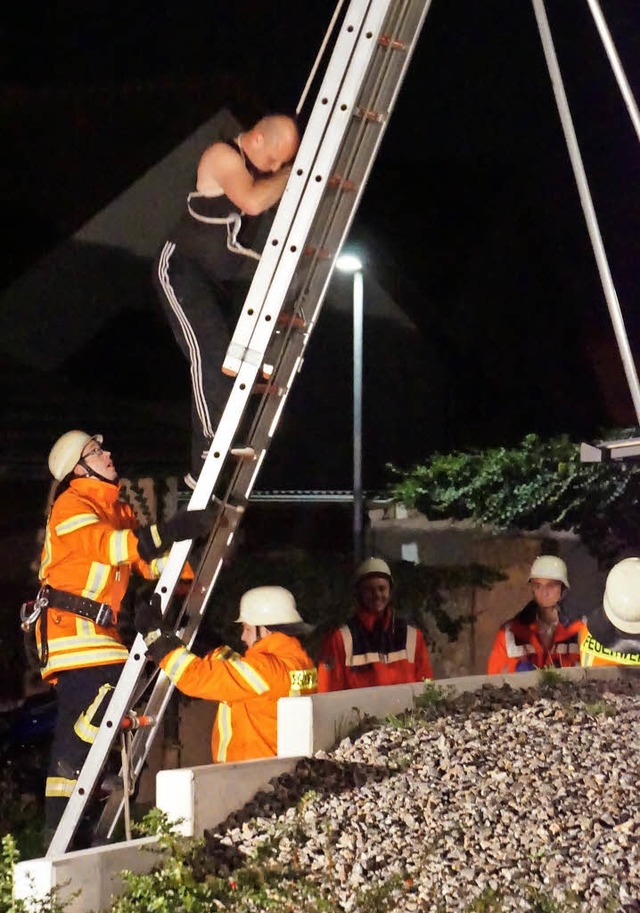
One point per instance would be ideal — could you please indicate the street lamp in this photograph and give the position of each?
(350, 263)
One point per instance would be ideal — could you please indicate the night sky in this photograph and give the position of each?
(472, 195)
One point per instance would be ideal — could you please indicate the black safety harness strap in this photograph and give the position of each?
(98, 612)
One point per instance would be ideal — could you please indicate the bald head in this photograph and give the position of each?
(272, 142)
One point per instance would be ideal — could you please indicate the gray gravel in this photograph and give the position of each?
(522, 794)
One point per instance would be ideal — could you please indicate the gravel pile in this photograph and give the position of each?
(495, 795)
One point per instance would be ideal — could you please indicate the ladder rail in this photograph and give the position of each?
(187, 628)
(309, 209)
(266, 414)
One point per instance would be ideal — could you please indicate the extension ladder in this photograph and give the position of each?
(373, 45)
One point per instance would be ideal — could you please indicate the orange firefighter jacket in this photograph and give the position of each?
(247, 687)
(517, 647)
(373, 650)
(592, 653)
(89, 550)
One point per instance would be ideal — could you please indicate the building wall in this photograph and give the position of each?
(397, 533)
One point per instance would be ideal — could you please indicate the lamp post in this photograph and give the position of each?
(349, 263)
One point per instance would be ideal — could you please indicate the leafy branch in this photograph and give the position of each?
(538, 482)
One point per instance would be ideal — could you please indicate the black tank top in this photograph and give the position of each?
(207, 243)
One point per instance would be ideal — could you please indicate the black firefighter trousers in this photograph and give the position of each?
(83, 696)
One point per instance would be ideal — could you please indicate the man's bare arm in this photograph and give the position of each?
(222, 167)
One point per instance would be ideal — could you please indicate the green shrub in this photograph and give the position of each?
(9, 856)
(538, 482)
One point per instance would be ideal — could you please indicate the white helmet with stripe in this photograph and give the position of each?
(67, 450)
(268, 605)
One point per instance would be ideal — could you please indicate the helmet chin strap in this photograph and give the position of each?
(96, 475)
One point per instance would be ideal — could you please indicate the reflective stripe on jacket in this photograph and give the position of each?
(373, 650)
(89, 550)
(248, 688)
(518, 644)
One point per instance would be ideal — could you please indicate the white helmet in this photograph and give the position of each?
(621, 601)
(550, 568)
(67, 450)
(373, 566)
(268, 605)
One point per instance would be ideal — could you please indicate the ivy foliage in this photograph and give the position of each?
(525, 487)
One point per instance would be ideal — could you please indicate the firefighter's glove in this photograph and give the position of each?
(149, 622)
(156, 539)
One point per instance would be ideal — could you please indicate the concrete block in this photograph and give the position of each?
(295, 727)
(198, 798)
(86, 879)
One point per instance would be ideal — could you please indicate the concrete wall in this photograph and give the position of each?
(203, 796)
(396, 533)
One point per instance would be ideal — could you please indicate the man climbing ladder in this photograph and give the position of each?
(209, 250)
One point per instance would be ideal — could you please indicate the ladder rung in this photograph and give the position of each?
(340, 183)
(386, 41)
(133, 721)
(291, 320)
(243, 453)
(320, 252)
(267, 389)
(374, 117)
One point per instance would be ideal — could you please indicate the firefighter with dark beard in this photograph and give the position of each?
(375, 647)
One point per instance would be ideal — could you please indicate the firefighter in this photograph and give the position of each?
(375, 647)
(92, 543)
(612, 635)
(247, 686)
(539, 636)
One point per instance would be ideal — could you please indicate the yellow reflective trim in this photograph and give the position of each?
(225, 730)
(303, 680)
(592, 648)
(59, 787)
(179, 661)
(158, 565)
(118, 546)
(155, 535)
(71, 524)
(85, 731)
(89, 644)
(83, 726)
(46, 554)
(58, 662)
(97, 579)
(86, 630)
(248, 673)
(88, 638)
(223, 653)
